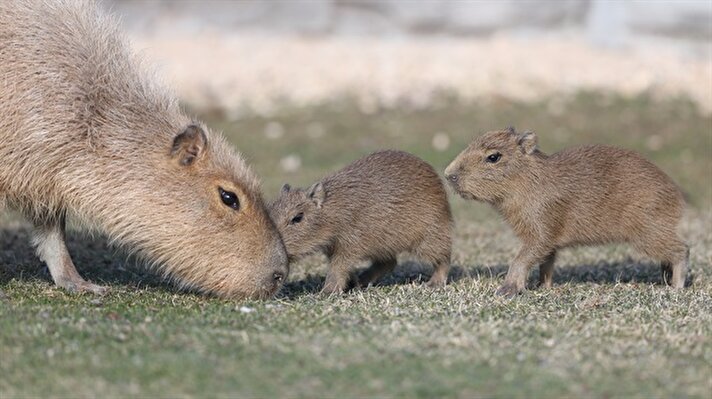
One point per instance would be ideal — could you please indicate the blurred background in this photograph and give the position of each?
(310, 85)
(260, 53)
(302, 88)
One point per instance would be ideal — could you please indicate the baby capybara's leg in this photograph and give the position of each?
(338, 276)
(673, 254)
(516, 279)
(49, 239)
(378, 269)
(666, 272)
(439, 277)
(546, 271)
(680, 265)
(674, 266)
(436, 250)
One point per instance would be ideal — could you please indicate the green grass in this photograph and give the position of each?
(606, 329)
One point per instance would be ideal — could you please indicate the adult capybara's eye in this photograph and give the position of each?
(229, 198)
(492, 158)
(298, 218)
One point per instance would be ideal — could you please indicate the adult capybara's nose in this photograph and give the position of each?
(279, 264)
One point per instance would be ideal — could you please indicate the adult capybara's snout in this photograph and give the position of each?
(277, 268)
(259, 278)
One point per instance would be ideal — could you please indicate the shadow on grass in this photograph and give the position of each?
(628, 270)
(94, 258)
(625, 271)
(100, 263)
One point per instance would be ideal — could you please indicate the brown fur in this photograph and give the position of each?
(579, 196)
(85, 132)
(381, 205)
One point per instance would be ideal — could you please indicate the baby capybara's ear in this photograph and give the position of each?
(189, 145)
(527, 142)
(286, 187)
(317, 194)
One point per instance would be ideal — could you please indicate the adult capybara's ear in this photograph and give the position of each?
(527, 142)
(317, 194)
(286, 187)
(189, 145)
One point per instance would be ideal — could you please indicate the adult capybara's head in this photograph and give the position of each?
(491, 165)
(201, 217)
(298, 214)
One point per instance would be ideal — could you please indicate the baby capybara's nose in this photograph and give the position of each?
(452, 178)
(278, 277)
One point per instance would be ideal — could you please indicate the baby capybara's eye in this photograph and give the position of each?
(229, 198)
(297, 218)
(492, 158)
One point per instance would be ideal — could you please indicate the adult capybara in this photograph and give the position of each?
(579, 196)
(379, 206)
(86, 133)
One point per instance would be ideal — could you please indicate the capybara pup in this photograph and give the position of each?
(85, 133)
(585, 195)
(379, 206)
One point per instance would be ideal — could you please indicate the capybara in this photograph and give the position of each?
(384, 204)
(86, 133)
(585, 195)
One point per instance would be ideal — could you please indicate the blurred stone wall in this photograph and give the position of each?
(607, 22)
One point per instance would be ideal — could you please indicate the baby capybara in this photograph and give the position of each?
(585, 195)
(85, 132)
(381, 205)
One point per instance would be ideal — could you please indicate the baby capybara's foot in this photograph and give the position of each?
(508, 290)
(436, 282)
(332, 289)
(334, 285)
(439, 277)
(666, 273)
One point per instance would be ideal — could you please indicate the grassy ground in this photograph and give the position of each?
(606, 329)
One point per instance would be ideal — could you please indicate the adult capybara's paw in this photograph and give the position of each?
(81, 286)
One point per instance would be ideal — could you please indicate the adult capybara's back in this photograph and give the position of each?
(85, 132)
(381, 205)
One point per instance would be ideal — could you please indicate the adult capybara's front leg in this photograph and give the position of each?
(51, 247)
